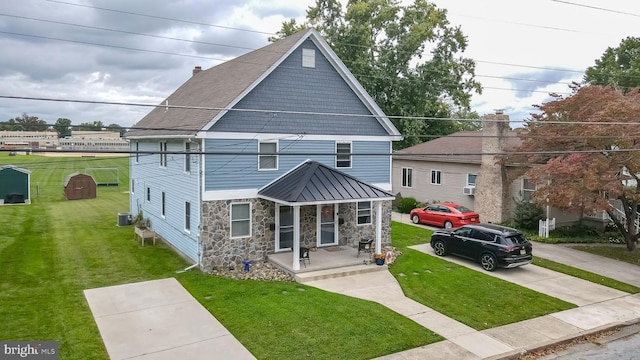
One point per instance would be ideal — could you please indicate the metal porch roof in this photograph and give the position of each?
(314, 183)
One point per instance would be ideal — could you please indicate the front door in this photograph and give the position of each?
(284, 239)
(327, 225)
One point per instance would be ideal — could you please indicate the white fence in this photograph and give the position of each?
(544, 226)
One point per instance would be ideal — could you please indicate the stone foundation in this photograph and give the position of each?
(220, 251)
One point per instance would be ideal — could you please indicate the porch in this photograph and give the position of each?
(326, 262)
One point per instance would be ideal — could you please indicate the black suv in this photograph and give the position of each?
(491, 245)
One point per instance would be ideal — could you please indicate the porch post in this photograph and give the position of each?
(378, 227)
(296, 237)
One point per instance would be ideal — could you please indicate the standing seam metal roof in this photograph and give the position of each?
(313, 182)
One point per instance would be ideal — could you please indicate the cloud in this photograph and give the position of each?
(526, 83)
(82, 50)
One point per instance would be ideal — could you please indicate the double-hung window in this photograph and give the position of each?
(163, 204)
(268, 162)
(471, 179)
(364, 212)
(343, 155)
(240, 220)
(528, 188)
(187, 216)
(407, 177)
(163, 154)
(187, 157)
(436, 177)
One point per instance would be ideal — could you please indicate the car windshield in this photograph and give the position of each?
(513, 240)
(463, 209)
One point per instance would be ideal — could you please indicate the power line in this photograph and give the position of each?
(272, 111)
(161, 17)
(232, 46)
(297, 153)
(596, 8)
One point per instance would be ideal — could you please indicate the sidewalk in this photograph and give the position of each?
(599, 307)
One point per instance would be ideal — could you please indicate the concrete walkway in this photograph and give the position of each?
(599, 307)
(159, 320)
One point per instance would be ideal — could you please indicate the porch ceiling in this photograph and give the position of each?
(314, 183)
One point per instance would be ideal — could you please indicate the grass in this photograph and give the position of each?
(616, 252)
(471, 297)
(284, 320)
(53, 249)
(585, 275)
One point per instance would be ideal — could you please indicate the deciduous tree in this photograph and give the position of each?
(116, 128)
(585, 154)
(618, 67)
(30, 123)
(407, 57)
(63, 127)
(92, 126)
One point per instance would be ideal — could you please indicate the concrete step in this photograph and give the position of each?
(337, 272)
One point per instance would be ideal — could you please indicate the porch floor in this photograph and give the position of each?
(334, 261)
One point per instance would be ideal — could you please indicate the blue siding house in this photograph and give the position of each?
(278, 149)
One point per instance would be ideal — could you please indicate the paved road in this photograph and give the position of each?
(622, 345)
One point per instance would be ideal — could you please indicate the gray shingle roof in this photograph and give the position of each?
(210, 91)
(461, 147)
(314, 183)
(216, 87)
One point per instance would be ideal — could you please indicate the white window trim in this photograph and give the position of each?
(163, 157)
(370, 214)
(133, 186)
(431, 177)
(137, 158)
(522, 190)
(350, 156)
(231, 220)
(308, 58)
(468, 182)
(403, 182)
(163, 204)
(184, 217)
(187, 157)
(147, 194)
(276, 156)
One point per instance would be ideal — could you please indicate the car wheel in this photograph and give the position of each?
(415, 219)
(488, 262)
(448, 224)
(439, 248)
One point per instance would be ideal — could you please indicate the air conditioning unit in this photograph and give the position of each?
(469, 190)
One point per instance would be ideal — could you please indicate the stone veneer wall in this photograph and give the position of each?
(219, 250)
(351, 232)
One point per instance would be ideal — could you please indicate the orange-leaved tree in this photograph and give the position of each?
(583, 153)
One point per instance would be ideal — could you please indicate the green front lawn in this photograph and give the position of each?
(586, 275)
(471, 297)
(53, 249)
(617, 252)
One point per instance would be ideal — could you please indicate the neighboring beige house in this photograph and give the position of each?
(462, 168)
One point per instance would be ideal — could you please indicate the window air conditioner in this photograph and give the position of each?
(469, 190)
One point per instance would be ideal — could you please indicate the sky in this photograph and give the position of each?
(106, 51)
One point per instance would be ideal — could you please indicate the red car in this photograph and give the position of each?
(447, 215)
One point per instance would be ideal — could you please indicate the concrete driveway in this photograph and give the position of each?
(561, 286)
(159, 320)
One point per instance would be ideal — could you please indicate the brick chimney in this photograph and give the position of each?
(492, 190)
(196, 70)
